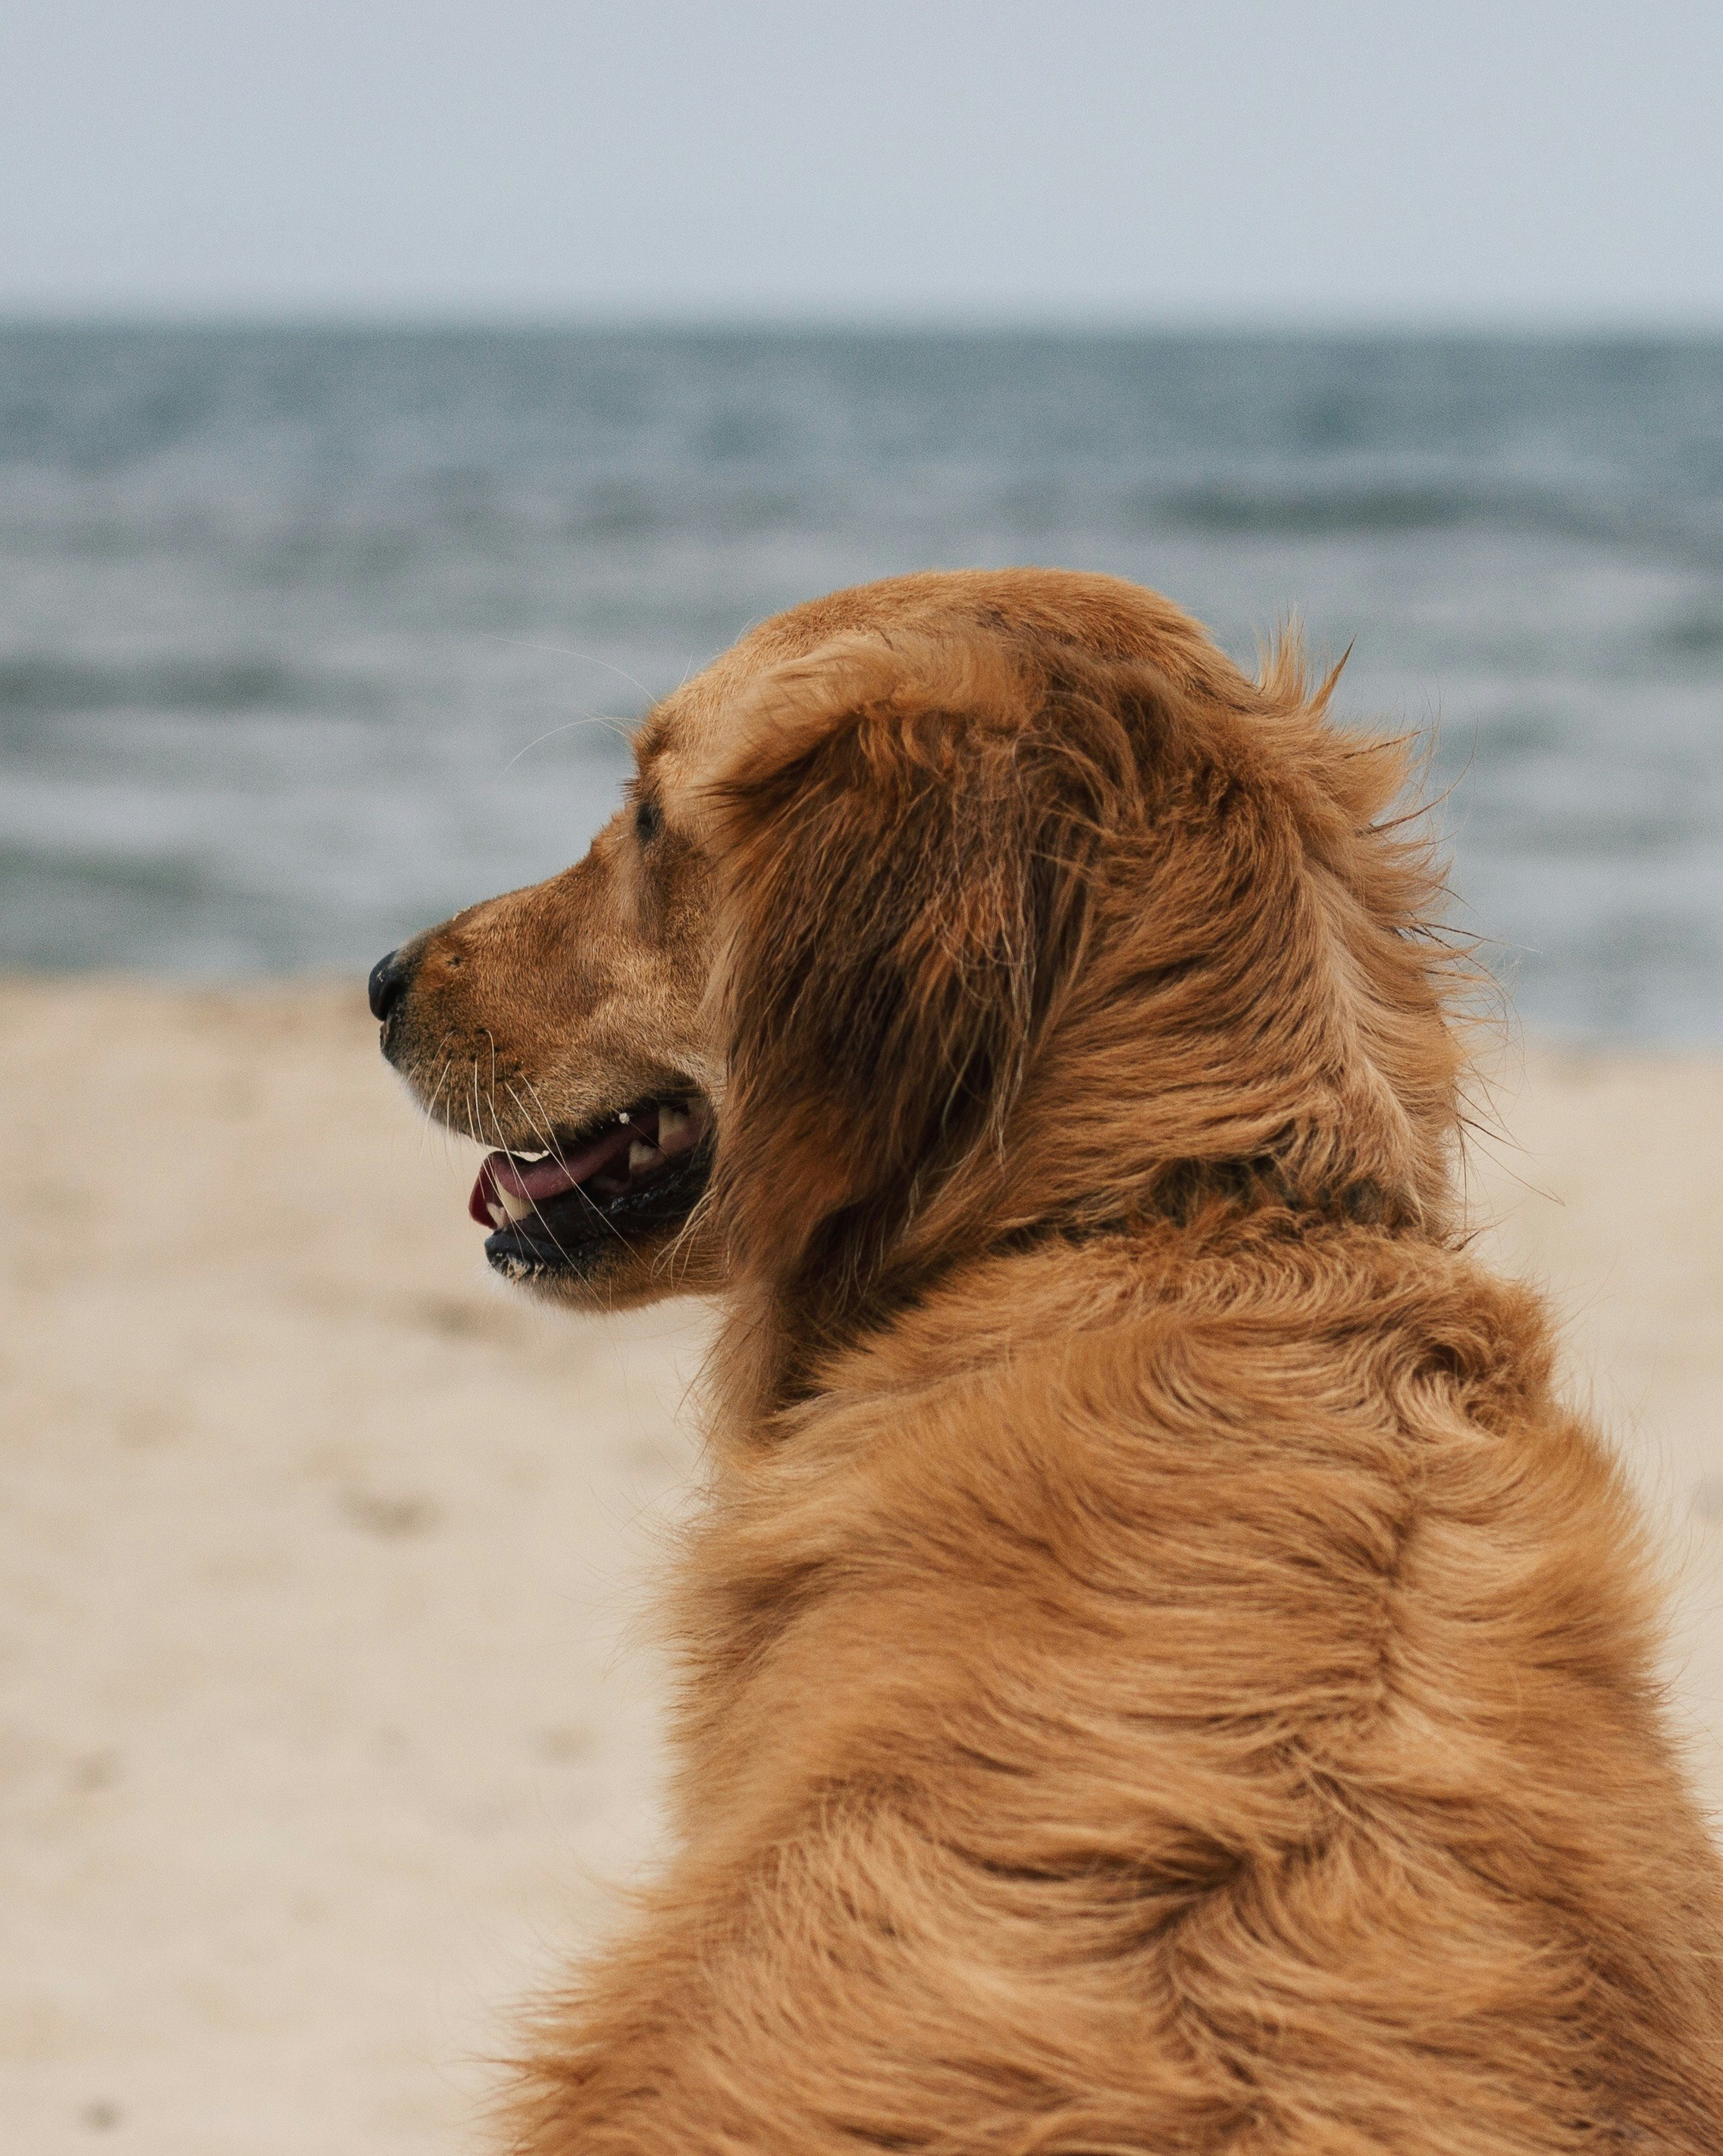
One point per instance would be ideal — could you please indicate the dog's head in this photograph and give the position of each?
(944, 911)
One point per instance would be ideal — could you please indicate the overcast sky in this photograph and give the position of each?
(1224, 160)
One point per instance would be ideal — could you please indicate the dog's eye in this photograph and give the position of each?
(648, 822)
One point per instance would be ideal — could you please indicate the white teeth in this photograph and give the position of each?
(641, 1155)
(622, 1115)
(671, 1122)
(493, 1206)
(517, 1208)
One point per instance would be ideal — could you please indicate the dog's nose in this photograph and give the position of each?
(387, 983)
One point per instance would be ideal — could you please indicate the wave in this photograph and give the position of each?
(37, 685)
(1317, 511)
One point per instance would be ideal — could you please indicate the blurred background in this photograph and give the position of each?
(390, 403)
(394, 399)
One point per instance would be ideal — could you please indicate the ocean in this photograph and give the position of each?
(309, 636)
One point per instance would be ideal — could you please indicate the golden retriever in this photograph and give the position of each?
(1161, 1669)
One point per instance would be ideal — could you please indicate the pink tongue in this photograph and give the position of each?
(549, 1177)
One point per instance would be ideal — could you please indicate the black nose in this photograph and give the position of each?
(387, 983)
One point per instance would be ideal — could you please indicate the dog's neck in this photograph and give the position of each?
(781, 1342)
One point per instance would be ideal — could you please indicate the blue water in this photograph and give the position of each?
(308, 637)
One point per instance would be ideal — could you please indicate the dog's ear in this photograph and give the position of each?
(904, 833)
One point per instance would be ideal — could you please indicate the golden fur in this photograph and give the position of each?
(1161, 1669)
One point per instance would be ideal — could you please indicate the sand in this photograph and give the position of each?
(325, 1721)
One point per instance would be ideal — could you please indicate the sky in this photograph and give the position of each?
(1232, 161)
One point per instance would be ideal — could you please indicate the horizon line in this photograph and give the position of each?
(501, 316)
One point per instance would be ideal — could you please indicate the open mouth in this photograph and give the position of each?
(635, 1174)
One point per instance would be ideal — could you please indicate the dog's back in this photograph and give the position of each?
(1195, 1692)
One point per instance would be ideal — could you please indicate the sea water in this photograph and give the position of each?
(310, 636)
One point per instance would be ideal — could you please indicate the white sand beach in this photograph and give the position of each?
(324, 1714)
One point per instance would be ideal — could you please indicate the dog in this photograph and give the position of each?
(1161, 1669)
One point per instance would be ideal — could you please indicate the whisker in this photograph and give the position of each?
(567, 651)
(620, 727)
(430, 1107)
